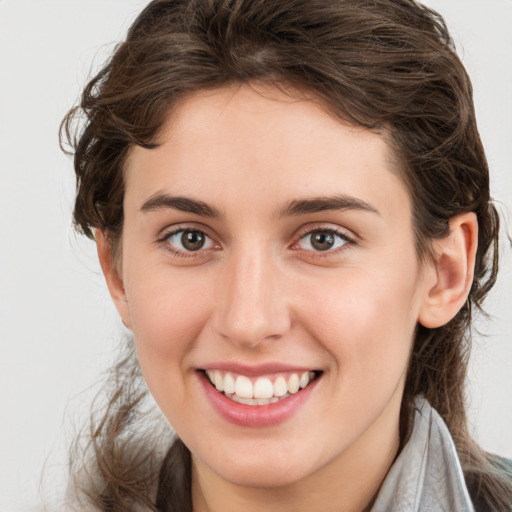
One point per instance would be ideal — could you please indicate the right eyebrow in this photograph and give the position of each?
(162, 201)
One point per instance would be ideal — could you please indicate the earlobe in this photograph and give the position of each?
(452, 271)
(111, 272)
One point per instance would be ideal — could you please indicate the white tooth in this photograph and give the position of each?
(219, 381)
(304, 379)
(263, 388)
(229, 383)
(311, 376)
(246, 401)
(293, 383)
(243, 387)
(280, 387)
(254, 401)
(211, 376)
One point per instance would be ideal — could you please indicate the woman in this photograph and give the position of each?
(291, 206)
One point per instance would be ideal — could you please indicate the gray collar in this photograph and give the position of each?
(426, 476)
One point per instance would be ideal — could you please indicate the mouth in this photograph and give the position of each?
(261, 390)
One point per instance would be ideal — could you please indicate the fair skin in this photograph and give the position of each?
(305, 259)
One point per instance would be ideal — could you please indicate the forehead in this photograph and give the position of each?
(256, 138)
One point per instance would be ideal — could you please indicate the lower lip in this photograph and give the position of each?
(256, 415)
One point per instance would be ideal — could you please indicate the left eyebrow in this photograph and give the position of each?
(322, 204)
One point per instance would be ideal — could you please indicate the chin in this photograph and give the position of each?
(263, 475)
(263, 465)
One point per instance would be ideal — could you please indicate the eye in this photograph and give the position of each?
(189, 240)
(322, 240)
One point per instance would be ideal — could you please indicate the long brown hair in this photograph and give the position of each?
(384, 65)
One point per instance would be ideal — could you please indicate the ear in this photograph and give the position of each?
(111, 272)
(452, 272)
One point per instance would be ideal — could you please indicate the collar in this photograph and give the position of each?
(427, 475)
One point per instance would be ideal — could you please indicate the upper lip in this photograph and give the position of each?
(256, 370)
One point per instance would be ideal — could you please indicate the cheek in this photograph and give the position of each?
(166, 308)
(366, 319)
(167, 313)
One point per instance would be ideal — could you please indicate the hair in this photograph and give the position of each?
(388, 66)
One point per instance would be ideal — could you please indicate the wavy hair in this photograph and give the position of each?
(384, 65)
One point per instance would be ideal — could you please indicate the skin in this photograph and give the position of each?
(259, 292)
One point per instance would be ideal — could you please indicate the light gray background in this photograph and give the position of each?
(57, 326)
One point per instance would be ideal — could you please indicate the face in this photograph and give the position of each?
(269, 248)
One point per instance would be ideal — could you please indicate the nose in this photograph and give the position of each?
(251, 301)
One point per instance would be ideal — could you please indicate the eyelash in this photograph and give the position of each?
(347, 241)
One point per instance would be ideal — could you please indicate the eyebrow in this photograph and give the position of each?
(322, 204)
(161, 201)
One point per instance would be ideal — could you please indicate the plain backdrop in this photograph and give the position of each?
(58, 329)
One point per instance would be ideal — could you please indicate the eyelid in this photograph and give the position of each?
(169, 230)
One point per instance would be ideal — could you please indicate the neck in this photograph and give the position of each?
(348, 483)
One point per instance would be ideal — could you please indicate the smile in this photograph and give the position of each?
(264, 390)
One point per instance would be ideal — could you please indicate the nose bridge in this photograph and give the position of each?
(251, 305)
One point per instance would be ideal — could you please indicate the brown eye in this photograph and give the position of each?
(193, 240)
(189, 240)
(322, 240)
